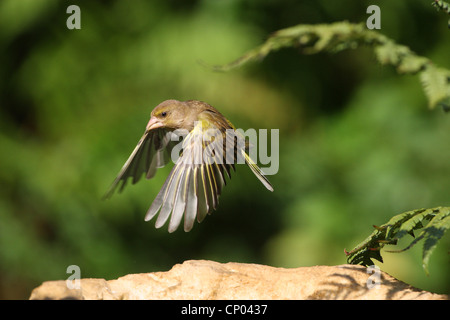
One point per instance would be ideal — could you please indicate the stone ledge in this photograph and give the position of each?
(209, 280)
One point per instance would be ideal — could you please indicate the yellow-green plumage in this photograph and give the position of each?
(195, 183)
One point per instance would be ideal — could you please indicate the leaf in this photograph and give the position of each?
(413, 223)
(365, 256)
(442, 6)
(338, 36)
(398, 226)
(436, 82)
(397, 220)
(433, 234)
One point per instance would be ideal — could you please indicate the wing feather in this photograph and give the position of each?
(145, 158)
(180, 199)
(170, 195)
(191, 202)
(193, 187)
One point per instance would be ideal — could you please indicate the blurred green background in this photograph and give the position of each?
(357, 141)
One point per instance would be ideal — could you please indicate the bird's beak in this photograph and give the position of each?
(154, 123)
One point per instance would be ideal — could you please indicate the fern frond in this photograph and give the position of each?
(433, 233)
(311, 39)
(442, 6)
(413, 223)
(436, 82)
(438, 222)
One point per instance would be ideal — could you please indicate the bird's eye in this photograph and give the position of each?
(163, 114)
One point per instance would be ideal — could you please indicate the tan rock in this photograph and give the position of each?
(201, 279)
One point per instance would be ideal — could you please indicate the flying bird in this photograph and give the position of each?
(209, 149)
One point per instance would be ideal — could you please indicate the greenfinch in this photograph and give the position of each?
(209, 149)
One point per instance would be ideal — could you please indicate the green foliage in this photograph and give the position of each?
(436, 84)
(433, 222)
(335, 37)
(442, 6)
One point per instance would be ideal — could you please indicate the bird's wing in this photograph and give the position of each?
(152, 152)
(195, 183)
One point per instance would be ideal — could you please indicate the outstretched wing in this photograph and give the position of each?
(152, 152)
(195, 183)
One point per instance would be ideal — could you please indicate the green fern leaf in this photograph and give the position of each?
(438, 222)
(340, 36)
(436, 82)
(393, 224)
(413, 223)
(434, 233)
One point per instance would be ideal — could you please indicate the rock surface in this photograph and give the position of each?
(202, 279)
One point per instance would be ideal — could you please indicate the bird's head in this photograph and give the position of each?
(169, 114)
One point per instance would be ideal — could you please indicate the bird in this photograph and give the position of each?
(202, 161)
